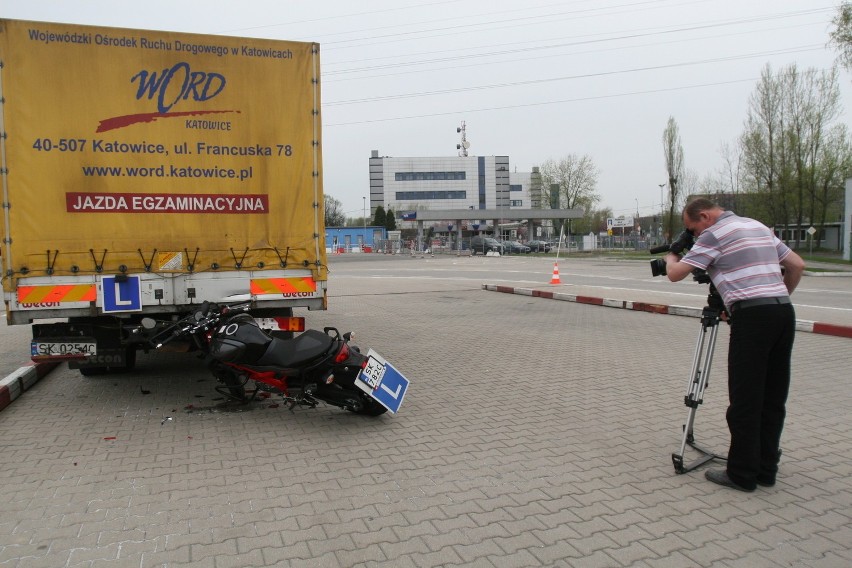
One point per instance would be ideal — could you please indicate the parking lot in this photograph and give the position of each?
(534, 433)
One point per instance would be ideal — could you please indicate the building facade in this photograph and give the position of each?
(525, 190)
(411, 184)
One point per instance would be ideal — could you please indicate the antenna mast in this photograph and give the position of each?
(464, 145)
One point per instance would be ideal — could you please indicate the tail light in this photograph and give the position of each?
(290, 324)
(342, 355)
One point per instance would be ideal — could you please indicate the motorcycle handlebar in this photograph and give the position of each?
(209, 314)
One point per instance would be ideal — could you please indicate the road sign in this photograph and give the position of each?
(121, 294)
(622, 221)
(382, 381)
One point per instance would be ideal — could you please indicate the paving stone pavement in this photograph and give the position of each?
(534, 433)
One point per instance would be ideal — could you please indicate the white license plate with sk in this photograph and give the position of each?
(62, 349)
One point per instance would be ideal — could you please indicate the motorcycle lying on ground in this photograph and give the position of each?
(311, 367)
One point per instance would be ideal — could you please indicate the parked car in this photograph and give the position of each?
(566, 245)
(515, 247)
(482, 244)
(539, 246)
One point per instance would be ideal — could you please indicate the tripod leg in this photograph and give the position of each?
(695, 394)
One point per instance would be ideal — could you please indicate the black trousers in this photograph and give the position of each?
(761, 344)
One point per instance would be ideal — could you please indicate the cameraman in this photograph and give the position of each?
(743, 259)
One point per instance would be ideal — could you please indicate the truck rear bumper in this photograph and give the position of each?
(151, 293)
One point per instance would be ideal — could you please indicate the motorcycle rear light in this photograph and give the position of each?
(342, 355)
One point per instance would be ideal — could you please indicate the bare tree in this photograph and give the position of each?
(570, 183)
(673, 153)
(730, 177)
(334, 216)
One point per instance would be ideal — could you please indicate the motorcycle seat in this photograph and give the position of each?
(296, 352)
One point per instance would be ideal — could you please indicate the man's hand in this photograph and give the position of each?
(794, 266)
(675, 269)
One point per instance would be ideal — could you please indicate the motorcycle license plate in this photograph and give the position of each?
(382, 381)
(66, 349)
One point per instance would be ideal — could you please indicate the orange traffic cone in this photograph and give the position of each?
(555, 278)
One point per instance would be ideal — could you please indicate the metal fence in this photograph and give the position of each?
(444, 245)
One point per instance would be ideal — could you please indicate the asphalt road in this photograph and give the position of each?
(823, 297)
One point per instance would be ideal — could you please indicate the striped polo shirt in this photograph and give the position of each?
(741, 257)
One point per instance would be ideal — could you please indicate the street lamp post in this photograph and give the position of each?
(638, 223)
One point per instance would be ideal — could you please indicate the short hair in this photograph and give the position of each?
(696, 206)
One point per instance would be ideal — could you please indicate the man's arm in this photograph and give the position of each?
(794, 266)
(675, 269)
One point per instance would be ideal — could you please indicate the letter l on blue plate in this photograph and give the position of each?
(382, 381)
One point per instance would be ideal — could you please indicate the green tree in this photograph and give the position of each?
(764, 149)
(673, 153)
(795, 155)
(834, 166)
(390, 220)
(379, 217)
(841, 34)
(593, 222)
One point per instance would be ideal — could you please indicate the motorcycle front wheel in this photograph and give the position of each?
(232, 385)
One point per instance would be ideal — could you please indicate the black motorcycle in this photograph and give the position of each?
(311, 367)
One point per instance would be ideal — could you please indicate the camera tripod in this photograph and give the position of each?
(710, 318)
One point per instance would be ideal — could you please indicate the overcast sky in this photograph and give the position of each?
(533, 80)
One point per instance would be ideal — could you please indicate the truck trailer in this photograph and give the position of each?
(146, 172)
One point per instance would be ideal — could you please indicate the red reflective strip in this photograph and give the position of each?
(57, 293)
(282, 285)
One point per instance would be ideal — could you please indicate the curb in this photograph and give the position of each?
(801, 325)
(13, 385)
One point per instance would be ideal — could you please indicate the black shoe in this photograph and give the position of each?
(720, 477)
(765, 481)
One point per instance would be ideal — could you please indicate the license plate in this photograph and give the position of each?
(46, 349)
(373, 372)
(382, 381)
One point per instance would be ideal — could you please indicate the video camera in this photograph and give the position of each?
(683, 242)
